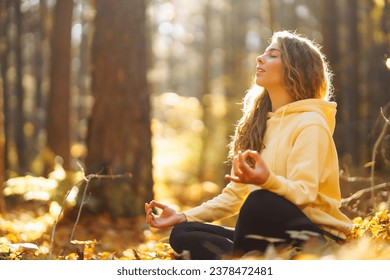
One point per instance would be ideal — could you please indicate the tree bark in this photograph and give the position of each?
(119, 136)
(58, 118)
(19, 116)
(236, 78)
(349, 56)
(2, 146)
(3, 54)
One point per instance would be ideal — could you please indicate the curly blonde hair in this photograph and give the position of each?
(306, 75)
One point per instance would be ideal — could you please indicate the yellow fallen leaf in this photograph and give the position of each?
(357, 220)
(383, 215)
(369, 164)
(376, 230)
(72, 256)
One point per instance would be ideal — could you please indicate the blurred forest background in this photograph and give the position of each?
(145, 95)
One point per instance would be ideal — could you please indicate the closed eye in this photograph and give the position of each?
(272, 52)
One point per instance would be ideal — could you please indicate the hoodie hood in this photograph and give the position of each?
(326, 109)
(283, 122)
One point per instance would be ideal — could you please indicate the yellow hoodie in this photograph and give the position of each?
(302, 158)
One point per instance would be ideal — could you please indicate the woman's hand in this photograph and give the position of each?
(244, 173)
(168, 217)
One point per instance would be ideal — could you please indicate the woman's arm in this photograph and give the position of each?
(306, 164)
(224, 205)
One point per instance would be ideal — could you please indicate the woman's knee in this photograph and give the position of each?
(262, 195)
(179, 235)
(258, 200)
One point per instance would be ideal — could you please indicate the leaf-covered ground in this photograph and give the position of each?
(25, 233)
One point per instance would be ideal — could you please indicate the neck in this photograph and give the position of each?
(279, 97)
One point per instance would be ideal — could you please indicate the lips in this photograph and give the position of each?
(260, 70)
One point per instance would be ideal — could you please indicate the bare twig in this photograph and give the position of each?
(388, 203)
(354, 179)
(81, 207)
(55, 225)
(374, 151)
(388, 122)
(384, 117)
(358, 194)
(86, 179)
(59, 216)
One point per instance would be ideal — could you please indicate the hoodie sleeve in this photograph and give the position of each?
(308, 163)
(225, 205)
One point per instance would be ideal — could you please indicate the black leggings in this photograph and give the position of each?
(264, 217)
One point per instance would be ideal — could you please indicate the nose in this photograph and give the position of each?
(259, 59)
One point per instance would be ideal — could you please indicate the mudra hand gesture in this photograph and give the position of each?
(243, 172)
(168, 217)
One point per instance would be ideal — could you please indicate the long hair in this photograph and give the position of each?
(306, 75)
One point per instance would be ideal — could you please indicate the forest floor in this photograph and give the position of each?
(36, 225)
(26, 232)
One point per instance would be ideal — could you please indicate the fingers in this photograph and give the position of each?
(146, 207)
(158, 205)
(236, 165)
(244, 166)
(242, 171)
(254, 155)
(233, 178)
(149, 217)
(241, 158)
(241, 167)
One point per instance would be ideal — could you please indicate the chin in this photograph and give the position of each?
(259, 83)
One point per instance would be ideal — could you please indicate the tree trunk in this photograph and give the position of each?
(349, 56)
(2, 146)
(330, 24)
(3, 66)
(236, 77)
(119, 136)
(58, 116)
(206, 168)
(84, 75)
(19, 116)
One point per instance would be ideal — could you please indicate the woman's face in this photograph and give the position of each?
(269, 69)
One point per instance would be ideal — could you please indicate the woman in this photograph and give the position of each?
(284, 182)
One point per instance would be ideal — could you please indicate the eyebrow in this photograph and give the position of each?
(272, 49)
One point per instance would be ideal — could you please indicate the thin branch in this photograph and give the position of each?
(384, 117)
(388, 203)
(388, 122)
(354, 179)
(373, 156)
(59, 216)
(84, 201)
(55, 224)
(363, 191)
(79, 212)
(86, 179)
